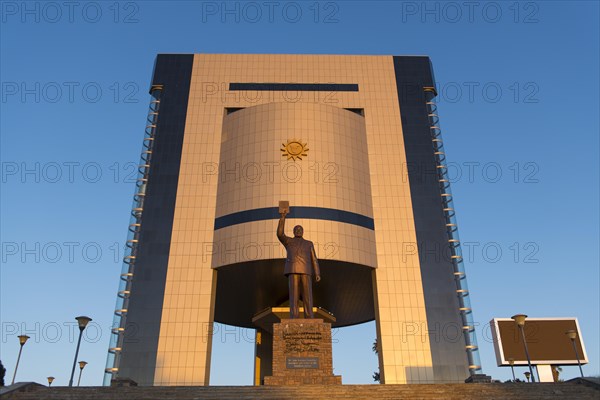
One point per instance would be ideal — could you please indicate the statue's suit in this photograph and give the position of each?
(300, 264)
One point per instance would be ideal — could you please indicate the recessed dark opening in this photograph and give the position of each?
(231, 110)
(359, 111)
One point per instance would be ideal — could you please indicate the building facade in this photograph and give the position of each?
(353, 143)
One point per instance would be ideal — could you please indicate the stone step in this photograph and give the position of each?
(523, 391)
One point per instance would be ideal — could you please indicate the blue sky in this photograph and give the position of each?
(518, 84)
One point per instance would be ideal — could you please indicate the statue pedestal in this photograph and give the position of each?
(263, 351)
(302, 353)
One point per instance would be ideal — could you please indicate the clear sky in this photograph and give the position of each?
(518, 84)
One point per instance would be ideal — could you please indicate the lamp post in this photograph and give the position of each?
(572, 335)
(520, 320)
(50, 380)
(527, 375)
(22, 341)
(82, 365)
(511, 361)
(82, 321)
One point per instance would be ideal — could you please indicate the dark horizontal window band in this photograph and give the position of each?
(304, 87)
(263, 214)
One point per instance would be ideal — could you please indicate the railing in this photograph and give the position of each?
(119, 330)
(464, 303)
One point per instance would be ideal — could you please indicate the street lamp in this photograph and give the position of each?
(50, 380)
(511, 361)
(82, 321)
(527, 375)
(520, 320)
(572, 334)
(82, 365)
(22, 341)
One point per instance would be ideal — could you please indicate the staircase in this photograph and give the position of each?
(517, 391)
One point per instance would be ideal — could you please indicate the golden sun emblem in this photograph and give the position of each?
(294, 149)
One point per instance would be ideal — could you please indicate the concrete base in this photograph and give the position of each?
(122, 382)
(545, 373)
(302, 354)
(263, 350)
(479, 378)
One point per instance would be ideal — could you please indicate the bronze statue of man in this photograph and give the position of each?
(300, 265)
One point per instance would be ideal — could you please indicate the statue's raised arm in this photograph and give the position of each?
(281, 230)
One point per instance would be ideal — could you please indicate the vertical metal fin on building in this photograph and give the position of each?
(460, 278)
(118, 331)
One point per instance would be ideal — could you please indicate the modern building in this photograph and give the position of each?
(354, 144)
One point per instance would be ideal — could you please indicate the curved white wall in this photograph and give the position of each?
(253, 174)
